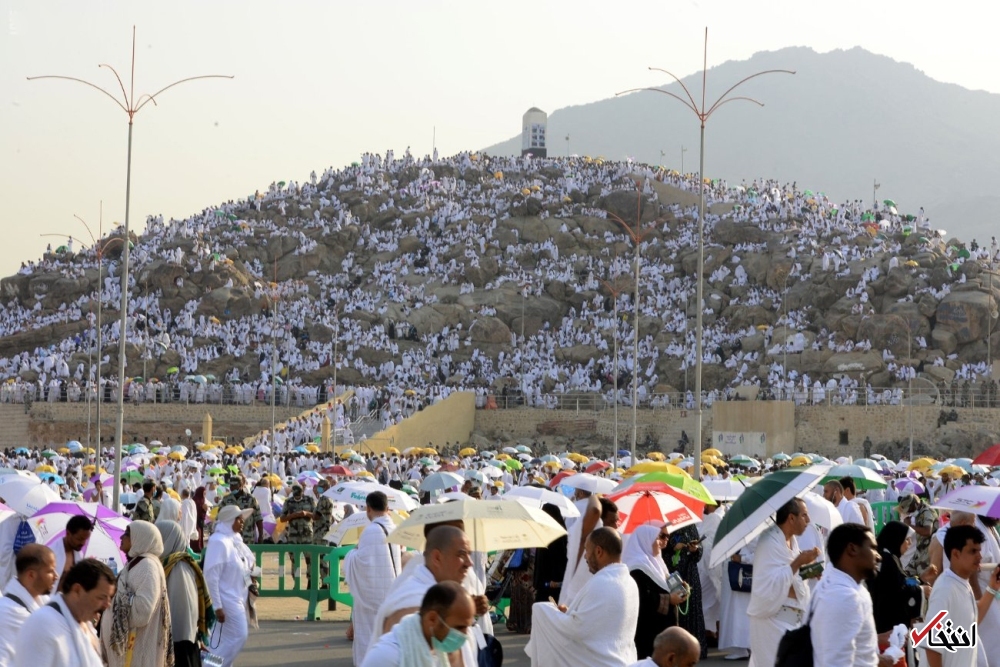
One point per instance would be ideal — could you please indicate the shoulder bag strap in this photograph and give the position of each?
(18, 601)
(389, 546)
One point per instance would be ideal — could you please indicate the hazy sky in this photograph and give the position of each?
(318, 82)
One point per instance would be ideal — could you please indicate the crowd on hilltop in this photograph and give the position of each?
(457, 202)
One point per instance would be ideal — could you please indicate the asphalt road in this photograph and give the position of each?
(322, 644)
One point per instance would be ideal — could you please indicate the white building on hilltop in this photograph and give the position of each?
(533, 126)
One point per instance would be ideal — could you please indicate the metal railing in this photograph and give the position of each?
(274, 584)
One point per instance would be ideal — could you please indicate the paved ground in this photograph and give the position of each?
(322, 644)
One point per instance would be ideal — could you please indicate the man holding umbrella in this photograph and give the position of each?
(779, 597)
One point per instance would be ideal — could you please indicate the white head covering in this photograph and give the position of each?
(170, 509)
(638, 554)
(146, 540)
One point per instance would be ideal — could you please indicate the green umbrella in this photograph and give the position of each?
(909, 217)
(216, 471)
(888, 202)
(132, 476)
(219, 213)
(427, 461)
(233, 469)
(867, 217)
(690, 486)
(964, 254)
(48, 453)
(408, 489)
(864, 478)
(281, 184)
(808, 193)
(513, 464)
(754, 510)
(62, 249)
(172, 370)
(231, 216)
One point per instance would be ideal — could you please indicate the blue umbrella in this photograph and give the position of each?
(623, 452)
(51, 477)
(22, 450)
(74, 445)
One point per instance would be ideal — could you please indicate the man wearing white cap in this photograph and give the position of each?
(228, 568)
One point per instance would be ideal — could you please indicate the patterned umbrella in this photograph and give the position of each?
(981, 500)
(642, 503)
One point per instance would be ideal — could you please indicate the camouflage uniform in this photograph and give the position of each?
(245, 501)
(323, 520)
(321, 526)
(299, 531)
(925, 517)
(144, 510)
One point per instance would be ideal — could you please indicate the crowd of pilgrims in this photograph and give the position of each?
(459, 201)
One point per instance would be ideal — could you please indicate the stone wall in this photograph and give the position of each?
(57, 423)
(817, 428)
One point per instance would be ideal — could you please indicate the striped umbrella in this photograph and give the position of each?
(864, 478)
(642, 503)
(688, 485)
(754, 510)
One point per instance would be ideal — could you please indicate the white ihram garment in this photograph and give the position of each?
(577, 573)
(772, 577)
(227, 567)
(597, 630)
(370, 571)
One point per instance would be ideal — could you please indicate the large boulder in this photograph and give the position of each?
(490, 330)
(965, 314)
(854, 362)
(227, 303)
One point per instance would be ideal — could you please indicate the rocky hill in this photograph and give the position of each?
(472, 251)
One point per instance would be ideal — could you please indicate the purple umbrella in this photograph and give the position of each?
(49, 526)
(909, 486)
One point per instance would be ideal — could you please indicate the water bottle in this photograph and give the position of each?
(113, 564)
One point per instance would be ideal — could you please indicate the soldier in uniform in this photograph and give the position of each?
(298, 512)
(253, 529)
(322, 521)
(144, 510)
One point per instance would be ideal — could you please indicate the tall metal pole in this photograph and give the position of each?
(703, 113)
(635, 355)
(699, 335)
(336, 342)
(131, 106)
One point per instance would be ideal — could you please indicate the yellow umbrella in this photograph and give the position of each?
(63, 450)
(954, 471)
(275, 481)
(708, 469)
(430, 451)
(799, 461)
(577, 458)
(910, 262)
(656, 456)
(393, 450)
(173, 494)
(218, 443)
(654, 466)
(921, 464)
(364, 473)
(468, 451)
(313, 449)
(176, 456)
(89, 469)
(232, 451)
(712, 451)
(503, 457)
(44, 468)
(713, 460)
(552, 464)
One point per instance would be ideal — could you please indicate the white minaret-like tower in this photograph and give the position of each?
(533, 128)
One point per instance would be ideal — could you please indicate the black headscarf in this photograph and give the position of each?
(553, 511)
(892, 537)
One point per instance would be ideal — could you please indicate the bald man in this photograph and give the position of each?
(674, 647)
(598, 628)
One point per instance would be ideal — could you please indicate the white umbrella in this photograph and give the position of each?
(262, 449)
(821, 511)
(724, 489)
(532, 496)
(490, 526)
(357, 492)
(25, 495)
(587, 482)
(493, 471)
(453, 495)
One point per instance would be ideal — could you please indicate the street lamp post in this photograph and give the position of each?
(614, 293)
(100, 247)
(703, 113)
(683, 151)
(637, 236)
(131, 106)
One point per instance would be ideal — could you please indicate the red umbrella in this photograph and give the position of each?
(555, 481)
(337, 470)
(597, 467)
(448, 467)
(991, 457)
(637, 506)
(696, 505)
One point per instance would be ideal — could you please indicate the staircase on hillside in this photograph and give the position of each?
(14, 425)
(367, 426)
